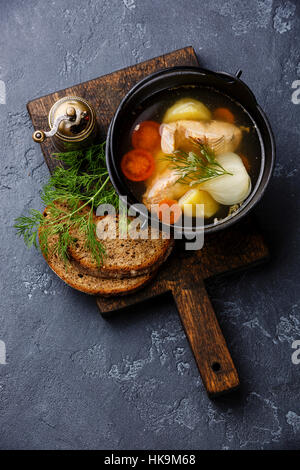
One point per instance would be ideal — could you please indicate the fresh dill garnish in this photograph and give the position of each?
(75, 189)
(195, 168)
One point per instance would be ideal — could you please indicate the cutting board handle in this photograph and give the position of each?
(213, 359)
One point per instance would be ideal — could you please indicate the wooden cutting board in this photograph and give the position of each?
(185, 272)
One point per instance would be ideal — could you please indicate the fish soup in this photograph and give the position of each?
(191, 146)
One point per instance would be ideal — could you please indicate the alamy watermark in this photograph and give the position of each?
(296, 94)
(296, 354)
(2, 92)
(133, 222)
(2, 353)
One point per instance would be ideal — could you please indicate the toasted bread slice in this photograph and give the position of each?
(124, 257)
(83, 282)
(94, 285)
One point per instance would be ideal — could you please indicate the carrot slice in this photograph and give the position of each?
(137, 165)
(146, 136)
(169, 211)
(245, 161)
(223, 114)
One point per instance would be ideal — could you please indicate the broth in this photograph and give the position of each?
(154, 109)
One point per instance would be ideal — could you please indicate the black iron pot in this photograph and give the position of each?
(174, 77)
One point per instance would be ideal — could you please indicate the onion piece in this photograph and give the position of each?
(229, 189)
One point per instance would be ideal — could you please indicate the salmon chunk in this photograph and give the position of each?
(164, 186)
(220, 136)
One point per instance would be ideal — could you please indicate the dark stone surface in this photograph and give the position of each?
(73, 380)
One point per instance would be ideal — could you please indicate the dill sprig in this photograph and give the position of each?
(75, 189)
(195, 168)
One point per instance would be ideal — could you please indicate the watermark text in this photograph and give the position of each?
(296, 353)
(2, 353)
(296, 93)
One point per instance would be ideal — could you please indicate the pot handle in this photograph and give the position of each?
(229, 77)
(234, 80)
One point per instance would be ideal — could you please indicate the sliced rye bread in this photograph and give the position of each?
(95, 285)
(86, 283)
(124, 257)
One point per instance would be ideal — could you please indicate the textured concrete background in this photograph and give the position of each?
(73, 380)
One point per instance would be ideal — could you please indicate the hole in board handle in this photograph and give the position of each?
(216, 366)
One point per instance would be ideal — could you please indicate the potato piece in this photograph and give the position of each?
(189, 200)
(187, 109)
